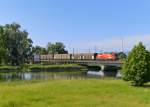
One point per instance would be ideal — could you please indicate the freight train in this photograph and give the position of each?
(77, 56)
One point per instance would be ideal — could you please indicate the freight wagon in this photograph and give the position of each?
(62, 56)
(84, 56)
(50, 56)
(66, 56)
(77, 56)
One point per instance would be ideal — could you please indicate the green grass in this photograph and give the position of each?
(73, 93)
(36, 67)
(54, 66)
(8, 68)
(61, 67)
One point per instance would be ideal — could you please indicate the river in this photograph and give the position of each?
(11, 76)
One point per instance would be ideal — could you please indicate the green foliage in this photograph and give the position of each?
(57, 47)
(39, 50)
(3, 50)
(3, 56)
(59, 67)
(137, 66)
(121, 55)
(15, 44)
(9, 68)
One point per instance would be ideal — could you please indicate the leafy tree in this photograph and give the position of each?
(137, 66)
(3, 50)
(39, 50)
(17, 44)
(121, 55)
(57, 47)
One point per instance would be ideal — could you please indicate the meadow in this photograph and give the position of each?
(73, 93)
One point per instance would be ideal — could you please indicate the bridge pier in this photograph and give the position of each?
(102, 67)
(107, 70)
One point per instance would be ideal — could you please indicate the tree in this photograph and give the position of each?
(17, 44)
(39, 50)
(137, 66)
(121, 55)
(57, 47)
(3, 50)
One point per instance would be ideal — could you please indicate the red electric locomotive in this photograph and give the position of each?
(106, 56)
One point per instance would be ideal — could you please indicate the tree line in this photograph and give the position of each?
(17, 48)
(52, 48)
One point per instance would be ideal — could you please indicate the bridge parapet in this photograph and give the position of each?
(102, 64)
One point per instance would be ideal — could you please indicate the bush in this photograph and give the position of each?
(137, 66)
(121, 56)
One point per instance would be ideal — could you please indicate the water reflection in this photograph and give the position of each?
(99, 73)
(116, 74)
(52, 75)
(42, 76)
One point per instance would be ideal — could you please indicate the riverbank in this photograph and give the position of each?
(9, 68)
(40, 67)
(73, 93)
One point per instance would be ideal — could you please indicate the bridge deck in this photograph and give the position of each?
(88, 62)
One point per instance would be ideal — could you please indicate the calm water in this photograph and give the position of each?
(53, 75)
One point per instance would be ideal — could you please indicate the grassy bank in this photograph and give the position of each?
(73, 93)
(39, 67)
(8, 68)
(59, 67)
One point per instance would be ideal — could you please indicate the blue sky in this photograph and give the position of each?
(81, 24)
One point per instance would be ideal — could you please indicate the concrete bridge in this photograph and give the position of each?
(102, 64)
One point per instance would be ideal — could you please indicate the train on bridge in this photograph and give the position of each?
(77, 56)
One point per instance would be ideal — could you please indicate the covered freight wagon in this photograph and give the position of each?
(43, 57)
(36, 58)
(66, 56)
(76, 56)
(57, 56)
(62, 56)
(83, 56)
(50, 56)
(88, 56)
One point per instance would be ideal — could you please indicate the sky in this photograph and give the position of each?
(85, 25)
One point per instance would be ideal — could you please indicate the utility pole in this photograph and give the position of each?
(73, 51)
(89, 51)
(122, 45)
(73, 55)
(95, 49)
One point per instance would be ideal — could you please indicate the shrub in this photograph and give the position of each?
(137, 66)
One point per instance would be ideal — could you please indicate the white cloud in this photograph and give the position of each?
(114, 44)
(128, 42)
